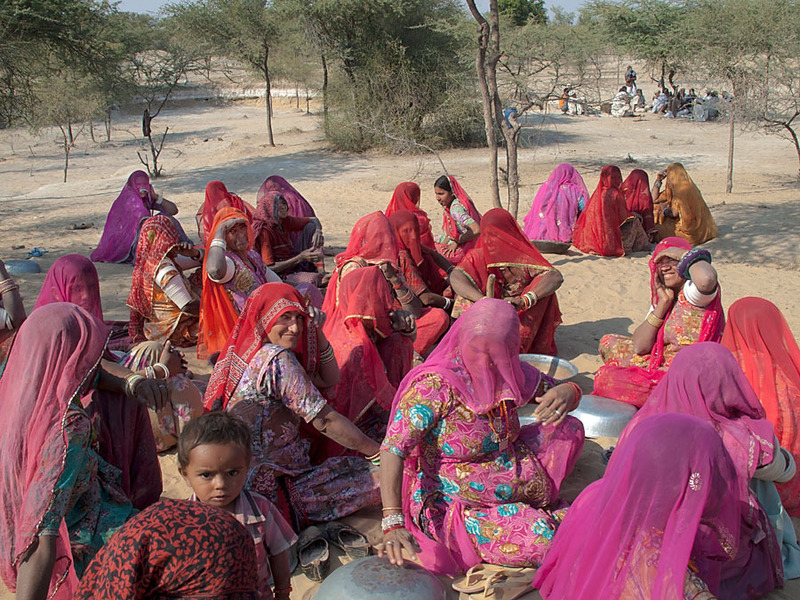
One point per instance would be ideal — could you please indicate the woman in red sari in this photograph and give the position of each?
(421, 267)
(217, 198)
(640, 201)
(606, 227)
(362, 324)
(406, 196)
(759, 337)
(685, 308)
(522, 277)
(461, 221)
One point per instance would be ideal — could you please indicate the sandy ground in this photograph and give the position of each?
(757, 253)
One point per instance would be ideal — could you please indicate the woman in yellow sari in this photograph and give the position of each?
(680, 209)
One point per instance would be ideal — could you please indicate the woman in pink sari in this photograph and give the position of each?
(136, 202)
(298, 205)
(461, 481)
(706, 381)
(657, 526)
(461, 221)
(685, 308)
(556, 206)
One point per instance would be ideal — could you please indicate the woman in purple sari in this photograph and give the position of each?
(461, 480)
(556, 206)
(136, 202)
(706, 381)
(657, 526)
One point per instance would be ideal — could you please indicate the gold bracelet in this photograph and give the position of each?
(392, 508)
(653, 320)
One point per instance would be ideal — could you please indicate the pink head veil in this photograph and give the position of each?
(664, 499)
(555, 207)
(54, 356)
(72, 278)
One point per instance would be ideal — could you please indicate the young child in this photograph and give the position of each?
(214, 454)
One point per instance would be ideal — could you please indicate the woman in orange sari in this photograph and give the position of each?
(606, 227)
(406, 196)
(759, 337)
(522, 277)
(680, 209)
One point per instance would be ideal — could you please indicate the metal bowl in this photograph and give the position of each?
(601, 417)
(374, 578)
(552, 366)
(551, 246)
(19, 267)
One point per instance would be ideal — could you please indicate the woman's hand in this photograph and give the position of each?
(187, 249)
(666, 296)
(175, 360)
(555, 404)
(223, 227)
(310, 255)
(390, 273)
(403, 321)
(394, 542)
(516, 301)
(316, 316)
(661, 175)
(153, 393)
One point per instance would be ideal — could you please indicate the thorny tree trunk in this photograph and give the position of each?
(324, 86)
(66, 135)
(482, 66)
(729, 184)
(268, 97)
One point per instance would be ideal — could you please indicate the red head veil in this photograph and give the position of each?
(217, 313)
(406, 228)
(217, 198)
(406, 196)
(638, 197)
(597, 230)
(251, 332)
(448, 222)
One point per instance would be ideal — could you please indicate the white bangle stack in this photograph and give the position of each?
(219, 243)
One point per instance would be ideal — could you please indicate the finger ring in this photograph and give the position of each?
(389, 543)
(558, 412)
(162, 386)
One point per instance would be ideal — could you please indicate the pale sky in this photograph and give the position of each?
(144, 6)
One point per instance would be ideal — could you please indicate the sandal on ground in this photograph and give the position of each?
(477, 578)
(352, 541)
(313, 553)
(509, 585)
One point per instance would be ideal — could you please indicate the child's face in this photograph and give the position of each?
(217, 473)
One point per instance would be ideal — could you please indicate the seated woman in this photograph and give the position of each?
(164, 306)
(685, 308)
(136, 202)
(406, 196)
(298, 205)
(606, 227)
(521, 276)
(705, 381)
(217, 198)
(461, 480)
(373, 243)
(461, 221)
(362, 322)
(639, 201)
(12, 314)
(765, 348)
(557, 205)
(657, 528)
(263, 378)
(422, 268)
(217, 557)
(298, 262)
(680, 209)
(60, 501)
(232, 270)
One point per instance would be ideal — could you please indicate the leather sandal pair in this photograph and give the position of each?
(493, 582)
(313, 551)
(351, 541)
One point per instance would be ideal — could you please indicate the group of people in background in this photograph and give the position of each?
(392, 381)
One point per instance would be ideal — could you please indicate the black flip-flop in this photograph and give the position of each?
(352, 541)
(313, 553)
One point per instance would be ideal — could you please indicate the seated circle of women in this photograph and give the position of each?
(505, 264)
(685, 308)
(136, 202)
(461, 481)
(679, 209)
(61, 499)
(606, 227)
(461, 221)
(264, 376)
(557, 205)
(232, 270)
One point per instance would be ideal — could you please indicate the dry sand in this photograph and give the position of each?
(757, 253)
